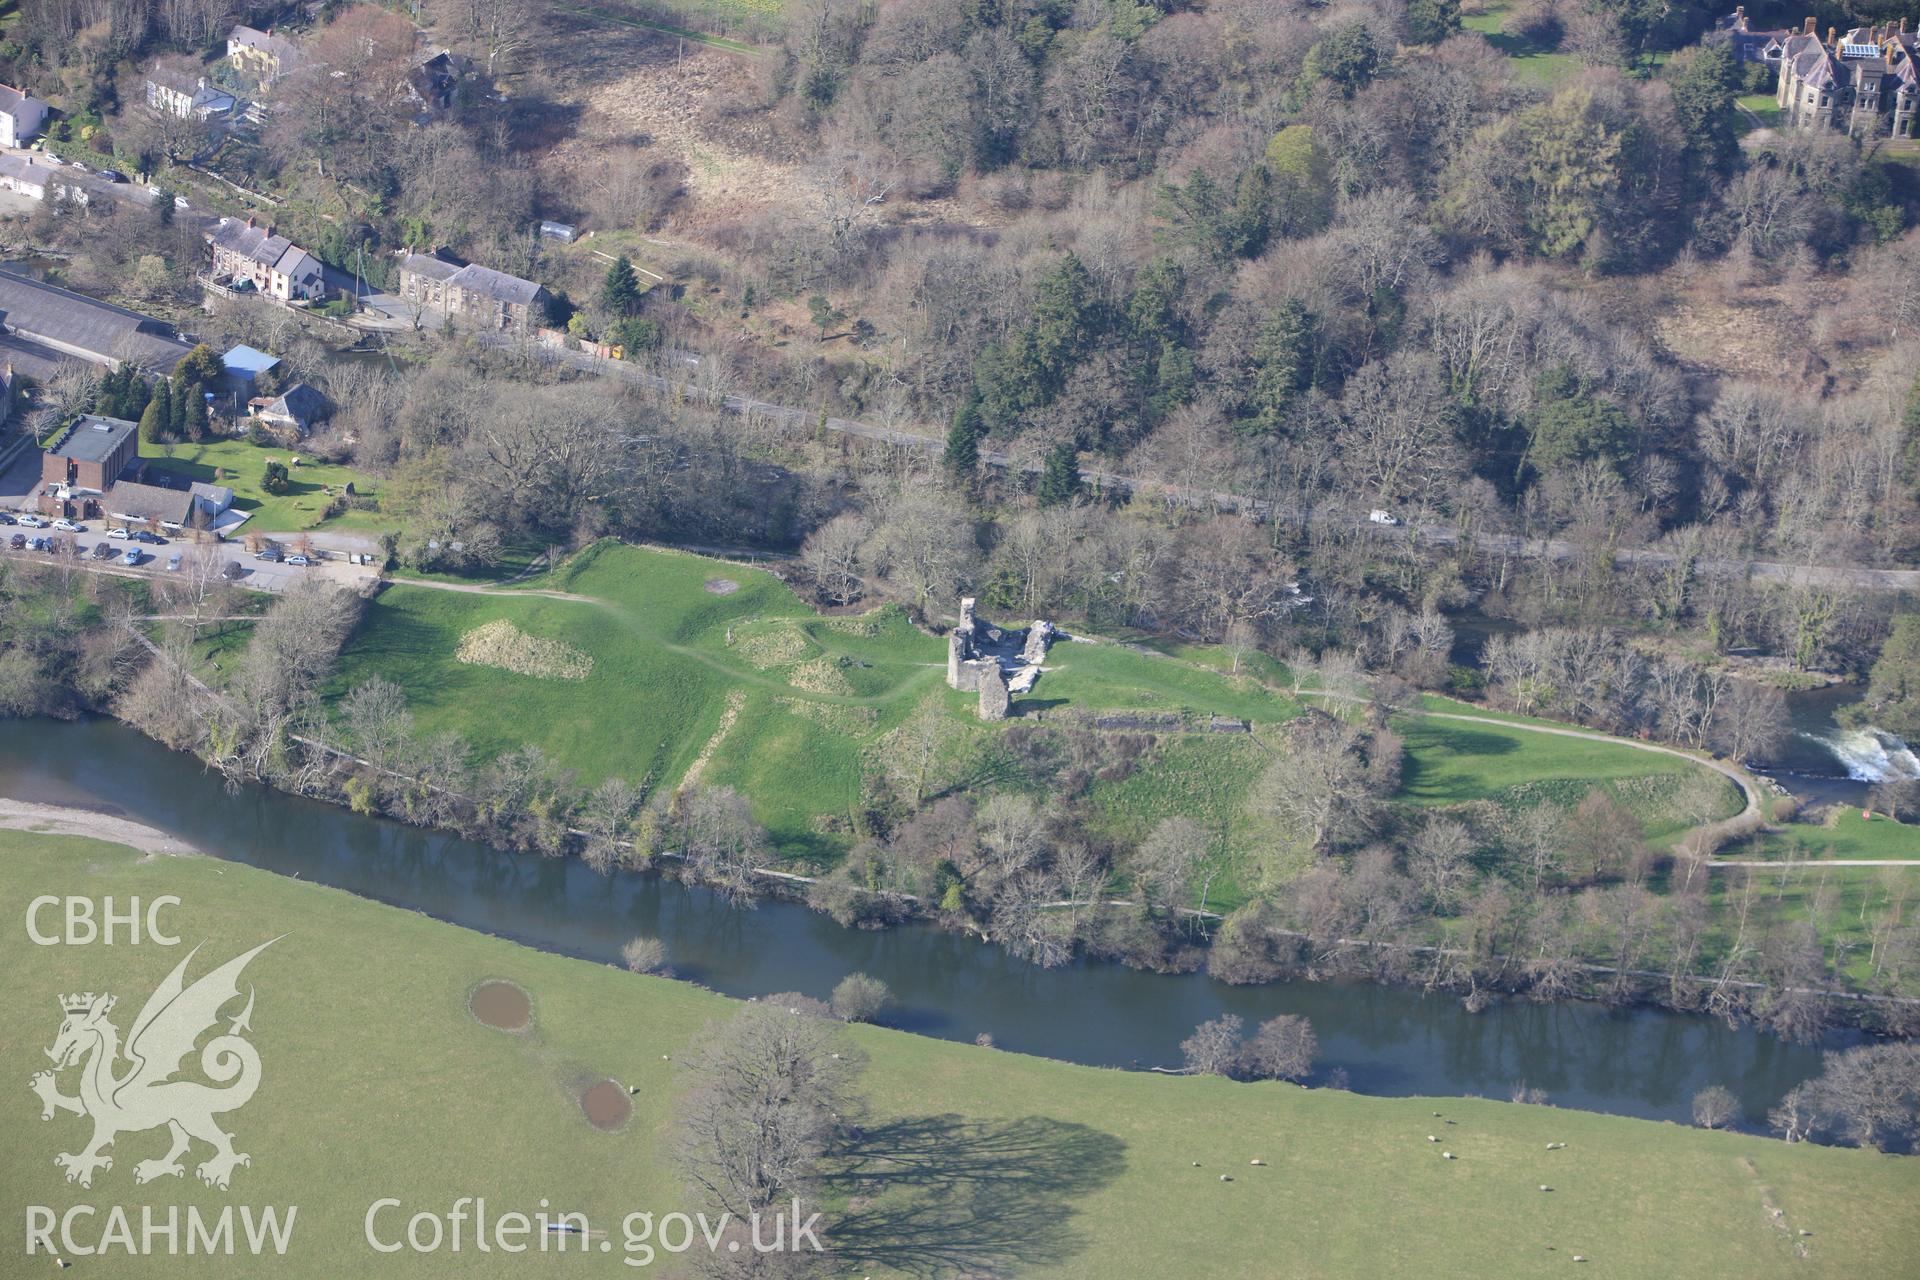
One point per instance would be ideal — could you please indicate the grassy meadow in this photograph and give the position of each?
(378, 1083)
(1844, 834)
(720, 666)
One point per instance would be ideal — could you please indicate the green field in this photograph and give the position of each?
(1844, 835)
(793, 709)
(377, 1083)
(1449, 762)
(242, 467)
(815, 699)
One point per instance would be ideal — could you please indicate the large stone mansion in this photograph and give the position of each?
(1864, 82)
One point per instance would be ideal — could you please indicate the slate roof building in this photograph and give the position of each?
(21, 115)
(296, 409)
(176, 87)
(492, 298)
(246, 255)
(45, 325)
(1865, 83)
(19, 174)
(262, 54)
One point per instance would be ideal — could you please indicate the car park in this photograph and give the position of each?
(132, 557)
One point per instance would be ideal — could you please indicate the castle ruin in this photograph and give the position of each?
(995, 663)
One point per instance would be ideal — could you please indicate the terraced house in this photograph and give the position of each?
(246, 256)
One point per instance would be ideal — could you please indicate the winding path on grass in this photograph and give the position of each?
(1750, 817)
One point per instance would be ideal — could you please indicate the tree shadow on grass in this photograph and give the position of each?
(1421, 777)
(934, 1195)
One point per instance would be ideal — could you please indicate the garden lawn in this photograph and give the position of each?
(1844, 835)
(243, 467)
(377, 1083)
(1757, 105)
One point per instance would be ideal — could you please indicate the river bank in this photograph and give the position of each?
(76, 820)
(1388, 1040)
(965, 1159)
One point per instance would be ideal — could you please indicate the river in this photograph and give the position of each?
(1393, 1041)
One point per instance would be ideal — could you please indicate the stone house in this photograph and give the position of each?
(1865, 83)
(271, 264)
(493, 299)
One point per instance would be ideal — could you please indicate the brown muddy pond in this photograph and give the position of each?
(607, 1106)
(501, 1005)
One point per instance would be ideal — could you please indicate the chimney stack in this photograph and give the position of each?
(249, 221)
(1833, 38)
(1808, 29)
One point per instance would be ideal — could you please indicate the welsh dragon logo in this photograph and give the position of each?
(143, 1094)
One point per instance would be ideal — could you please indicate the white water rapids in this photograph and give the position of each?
(1869, 754)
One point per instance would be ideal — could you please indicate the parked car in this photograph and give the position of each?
(132, 557)
(32, 521)
(1382, 517)
(151, 539)
(103, 551)
(113, 175)
(68, 526)
(118, 533)
(302, 561)
(43, 544)
(7, 519)
(173, 563)
(269, 553)
(180, 202)
(17, 541)
(232, 571)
